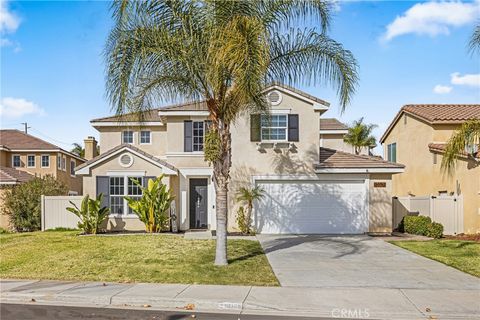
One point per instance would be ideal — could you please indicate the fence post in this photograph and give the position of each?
(42, 215)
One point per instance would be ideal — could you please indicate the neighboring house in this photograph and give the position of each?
(417, 138)
(309, 188)
(21, 154)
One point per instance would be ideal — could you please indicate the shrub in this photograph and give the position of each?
(90, 213)
(248, 196)
(4, 231)
(152, 207)
(242, 221)
(416, 224)
(23, 203)
(434, 230)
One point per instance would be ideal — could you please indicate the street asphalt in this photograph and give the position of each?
(47, 312)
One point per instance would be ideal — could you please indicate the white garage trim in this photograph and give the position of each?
(325, 182)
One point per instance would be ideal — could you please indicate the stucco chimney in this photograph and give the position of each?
(90, 148)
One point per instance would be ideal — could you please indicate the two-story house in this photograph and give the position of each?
(417, 138)
(309, 188)
(23, 155)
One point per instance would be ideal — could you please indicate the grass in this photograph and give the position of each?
(461, 255)
(132, 258)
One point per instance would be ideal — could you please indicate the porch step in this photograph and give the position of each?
(198, 234)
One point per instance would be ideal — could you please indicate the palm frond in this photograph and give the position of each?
(460, 143)
(474, 44)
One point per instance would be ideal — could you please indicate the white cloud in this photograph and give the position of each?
(9, 21)
(17, 107)
(433, 18)
(472, 80)
(442, 89)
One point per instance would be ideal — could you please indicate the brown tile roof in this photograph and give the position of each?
(437, 114)
(151, 115)
(14, 176)
(330, 158)
(128, 146)
(190, 106)
(444, 113)
(440, 147)
(331, 124)
(18, 140)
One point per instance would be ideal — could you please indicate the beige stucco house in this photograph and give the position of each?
(416, 138)
(309, 187)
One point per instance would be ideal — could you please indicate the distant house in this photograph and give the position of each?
(310, 187)
(417, 138)
(23, 156)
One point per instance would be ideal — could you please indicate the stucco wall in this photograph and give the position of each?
(423, 177)
(73, 183)
(380, 203)
(335, 141)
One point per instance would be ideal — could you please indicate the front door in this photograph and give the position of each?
(198, 204)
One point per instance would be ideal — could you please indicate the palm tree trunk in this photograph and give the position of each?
(249, 217)
(221, 174)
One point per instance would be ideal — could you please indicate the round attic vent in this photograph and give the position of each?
(274, 97)
(126, 160)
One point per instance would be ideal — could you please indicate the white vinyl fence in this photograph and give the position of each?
(447, 210)
(55, 214)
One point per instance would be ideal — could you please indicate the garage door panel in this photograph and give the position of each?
(312, 207)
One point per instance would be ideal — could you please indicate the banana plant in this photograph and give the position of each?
(91, 214)
(152, 208)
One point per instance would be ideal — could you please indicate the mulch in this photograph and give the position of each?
(465, 237)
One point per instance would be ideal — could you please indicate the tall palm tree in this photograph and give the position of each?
(465, 141)
(360, 135)
(474, 44)
(223, 52)
(249, 195)
(78, 149)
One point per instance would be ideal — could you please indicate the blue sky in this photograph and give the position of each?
(52, 72)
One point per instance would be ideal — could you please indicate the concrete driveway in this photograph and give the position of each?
(356, 261)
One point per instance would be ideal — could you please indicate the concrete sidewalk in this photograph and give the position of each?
(372, 303)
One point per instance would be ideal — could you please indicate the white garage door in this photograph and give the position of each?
(329, 207)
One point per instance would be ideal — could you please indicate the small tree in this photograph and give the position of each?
(360, 135)
(152, 207)
(90, 213)
(248, 196)
(22, 203)
(466, 141)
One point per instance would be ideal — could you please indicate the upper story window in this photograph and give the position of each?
(64, 164)
(392, 152)
(127, 136)
(59, 161)
(16, 163)
(31, 161)
(274, 127)
(45, 161)
(194, 135)
(198, 134)
(145, 137)
(72, 167)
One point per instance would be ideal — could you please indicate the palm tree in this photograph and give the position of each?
(249, 195)
(225, 53)
(78, 149)
(360, 135)
(465, 141)
(474, 44)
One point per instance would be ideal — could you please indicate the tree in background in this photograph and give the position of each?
(23, 205)
(80, 151)
(360, 136)
(224, 53)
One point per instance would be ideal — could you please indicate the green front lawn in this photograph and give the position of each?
(462, 255)
(130, 258)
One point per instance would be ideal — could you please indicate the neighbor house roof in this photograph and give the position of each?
(335, 159)
(14, 176)
(437, 114)
(125, 147)
(151, 115)
(441, 147)
(331, 124)
(16, 140)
